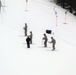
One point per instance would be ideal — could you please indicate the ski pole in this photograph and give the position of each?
(42, 42)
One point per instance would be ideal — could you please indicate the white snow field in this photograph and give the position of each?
(16, 59)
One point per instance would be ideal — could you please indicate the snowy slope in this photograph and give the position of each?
(16, 59)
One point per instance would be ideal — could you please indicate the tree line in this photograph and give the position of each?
(69, 5)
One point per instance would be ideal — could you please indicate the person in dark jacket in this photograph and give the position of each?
(31, 36)
(45, 40)
(28, 41)
(25, 28)
(53, 41)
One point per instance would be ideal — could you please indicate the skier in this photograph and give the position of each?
(25, 28)
(53, 41)
(28, 41)
(31, 36)
(45, 40)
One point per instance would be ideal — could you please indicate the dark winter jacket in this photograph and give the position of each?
(45, 38)
(28, 40)
(53, 41)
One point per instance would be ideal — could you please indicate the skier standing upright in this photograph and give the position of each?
(31, 36)
(25, 28)
(53, 41)
(28, 41)
(45, 40)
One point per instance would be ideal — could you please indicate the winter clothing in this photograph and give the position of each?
(53, 41)
(28, 42)
(25, 28)
(31, 36)
(45, 40)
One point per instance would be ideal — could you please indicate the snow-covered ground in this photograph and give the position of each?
(16, 59)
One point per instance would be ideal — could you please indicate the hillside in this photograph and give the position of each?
(16, 59)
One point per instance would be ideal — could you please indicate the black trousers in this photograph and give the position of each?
(28, 45)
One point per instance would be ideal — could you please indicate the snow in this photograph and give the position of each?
(16, 59)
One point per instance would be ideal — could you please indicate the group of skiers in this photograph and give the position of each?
(53, 41)
(29, 38)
